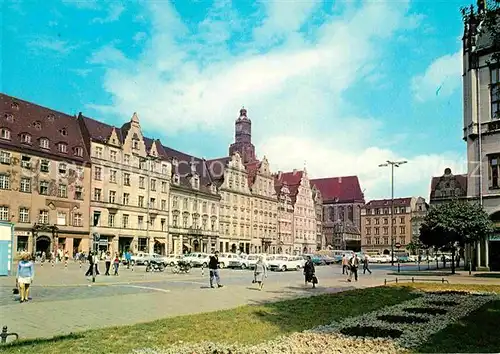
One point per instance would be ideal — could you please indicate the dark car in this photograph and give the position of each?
(328, 260)
(403, 259)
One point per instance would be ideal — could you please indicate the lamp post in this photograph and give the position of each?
(392, 164)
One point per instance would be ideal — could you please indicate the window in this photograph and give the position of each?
(402, 230)
(494, 92)
(97, 194)
(4, 182)
(185, 203)
(5, 134)
(377, 240)
(177, 179)
(5, 157)
(368, 222)
(175, 202)
(24, 215)
(163, 223)
(135, 144)
(25, 161)
(125, 221)
(61, 218)
(402, 220)
(386, 221)
(164, 169)
(185, 221)
(96, 218)
(62, 147)
(112, 197)
(44, 143)
(111, 220)
(494, 171)
(63, 132)
(44, 166)
(62, 191)
(213, 225)
(213, 208)
(402, 240)
(62, 169)
(43, 217)
(98, 152)
(377, 231)
(386, 230)
(377, 221)
(126, 159)
(112, 176)
(4, 213)
(25, 138)
(152, 203)
(164, 187)
(141, 182)
(97, 173)
(44, 188)
(113, 155)
(79, 151)
(140, 222)
(386, 240)
(77, 220)
(204, 207)
(78, 193)
(126, 197)
(175, 220)
(163, 204)
(140, 201)
(153, 185)
(126, 179)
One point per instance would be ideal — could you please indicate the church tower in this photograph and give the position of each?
(243, 138)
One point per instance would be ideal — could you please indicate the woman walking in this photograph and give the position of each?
(116, 263)
(108, 262)
(260, 272)
(309, 272)
(25, 274)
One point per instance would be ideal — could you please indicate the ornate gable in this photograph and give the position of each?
(264, 169)
(236, 162)
(154, 149)
(134, 140)
(113, 139)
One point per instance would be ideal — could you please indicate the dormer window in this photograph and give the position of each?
(44, 143)
(79, 151)
(196, 182)
(177, 179)
(175, 162)
(213, 188)
(5, 134)
(63, 132)
(9, 117)
(50, 117)
(37, 125)
(135, 144)
(15, 106)
(62, 147)
(25, 138)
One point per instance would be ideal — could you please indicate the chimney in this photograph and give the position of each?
(294, 171)
(279, 175)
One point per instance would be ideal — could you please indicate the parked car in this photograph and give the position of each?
(140, 258)
(253, 258)
(240, 262)
(197, 259)
(172, 259)
(403, 259)
(286, 262)
(225, 260)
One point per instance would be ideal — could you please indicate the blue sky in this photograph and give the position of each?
(337, 86)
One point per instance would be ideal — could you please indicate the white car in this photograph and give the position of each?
(140, 258)
(286, 262)
(172, 259)
(251, 260)
(381, 258)
(229, 260)
(240, 262)
(197, 259)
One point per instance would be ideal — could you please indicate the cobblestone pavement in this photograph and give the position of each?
(65, 301)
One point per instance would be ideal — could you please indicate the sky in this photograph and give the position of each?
(336, 86)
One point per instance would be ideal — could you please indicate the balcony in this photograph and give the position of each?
(493, 126)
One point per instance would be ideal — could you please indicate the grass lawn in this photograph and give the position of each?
(457, 287)
(246, 324)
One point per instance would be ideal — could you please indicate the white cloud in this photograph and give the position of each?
(294, 91)
(115, 10)
(441, 78)
(51, 44)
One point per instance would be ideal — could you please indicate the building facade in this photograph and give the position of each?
(285, 218)
(44, 178)
(481, 132)
(130, 187)
(304, 230)
(342, 203)
(318, 210)
(194, 206)
(448, 187)
(376, 234)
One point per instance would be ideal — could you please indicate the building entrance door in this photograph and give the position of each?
(494, 256)
(43, 244)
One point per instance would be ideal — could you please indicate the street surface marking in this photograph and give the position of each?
(147, 288)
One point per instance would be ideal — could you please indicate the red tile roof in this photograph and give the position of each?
(291, 179)
(339, 189)
(252, 170)
(387, 202)
(22, 117)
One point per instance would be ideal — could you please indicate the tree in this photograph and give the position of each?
(454, 224)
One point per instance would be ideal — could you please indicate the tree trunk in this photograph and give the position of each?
(453, 250)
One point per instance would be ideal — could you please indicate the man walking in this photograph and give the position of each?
(213, 267)
(91, 264)
(345, 265)
(353, 265)
(365, 265)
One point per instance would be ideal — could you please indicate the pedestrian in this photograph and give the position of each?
(116, 263)
(213, 267)
(95, 260)
(91, 265)
(345, 265)
(310, 272)
(108, 262)
(260, 272)
(365, 265)
(353, 266)
(128, 258)
(25, 275)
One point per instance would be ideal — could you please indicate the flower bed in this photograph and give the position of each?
(393, 329)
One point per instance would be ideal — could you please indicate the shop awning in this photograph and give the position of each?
(160, 240)
(187, 245)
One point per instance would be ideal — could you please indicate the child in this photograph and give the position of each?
(116, 263)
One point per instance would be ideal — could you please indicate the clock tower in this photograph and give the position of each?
(243, 138)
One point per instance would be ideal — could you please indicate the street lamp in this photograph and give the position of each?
(392, 164)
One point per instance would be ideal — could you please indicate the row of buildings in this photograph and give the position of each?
(64, 179)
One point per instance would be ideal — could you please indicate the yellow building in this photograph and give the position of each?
(130, 187)
(44, 178)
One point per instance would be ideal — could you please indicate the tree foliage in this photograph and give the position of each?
(454, 222)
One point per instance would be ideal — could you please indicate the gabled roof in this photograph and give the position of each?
(460, 184)
(378, 203)
(339, 189)
(291, 179)
(22, 117)
(252, 170)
